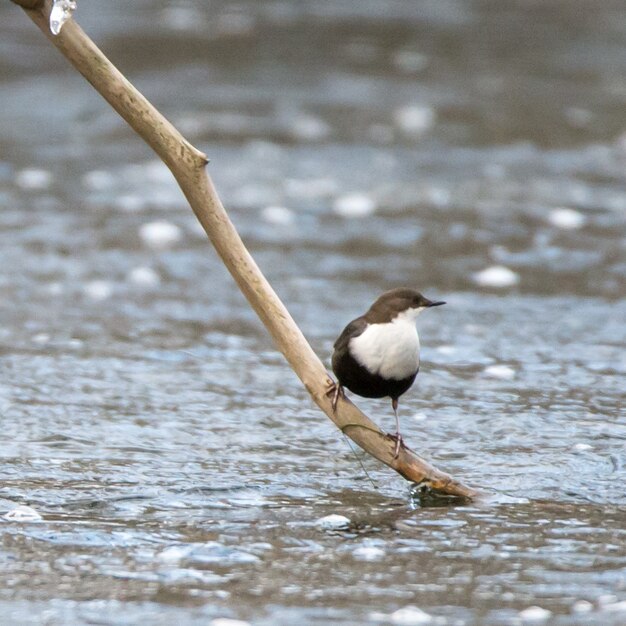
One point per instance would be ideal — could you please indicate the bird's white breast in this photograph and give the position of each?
(390, 350)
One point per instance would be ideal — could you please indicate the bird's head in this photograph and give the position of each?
(405, 301)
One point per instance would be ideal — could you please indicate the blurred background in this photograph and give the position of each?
(175, 470)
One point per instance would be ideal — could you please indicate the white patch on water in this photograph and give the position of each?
(368, 552)
(415, 119)
(497, 276)
(309, 128)
(98, 289)
(438, 196)
(160, 234)
(615, 607)
(333, 522)
(502, 372)
(40, 338)
(534, 614)
(175, 554)
(446, 350)
(144, 277)
(22, 513)
(606, 599)
(33, 178)
(226, 621)
(182, 18)
(567, 219)
(582, 606)
(410, 616)
(130, 203)
(354, 205)
(279, 215)
(55, 289)
(99, 180)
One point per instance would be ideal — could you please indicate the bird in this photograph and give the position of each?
(377, 355)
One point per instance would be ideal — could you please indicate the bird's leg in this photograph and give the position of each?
(397, 436)
(335, 389)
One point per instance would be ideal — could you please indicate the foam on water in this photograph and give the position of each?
(160, 234)
(99, 180)
(333, 522)
(35, 179)
(415, 119)
(22, 514)
(279, 215)
(182, 18)
(566, 218)
(410, 616)
(144, 276)
(496, 276)
(500, 371)
(368, 553)
(98, 289)
(582, 606)
(354, 205)
(309, 128)
(535, 614)
(227, 621)
(130, 202)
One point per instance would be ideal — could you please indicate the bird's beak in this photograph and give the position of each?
(435, 304)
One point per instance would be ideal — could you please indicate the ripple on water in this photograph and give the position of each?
(209, 553)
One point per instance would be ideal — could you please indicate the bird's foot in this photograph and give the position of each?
(335, 390)
(397, 437)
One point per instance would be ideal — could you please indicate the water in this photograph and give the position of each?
(180, 469)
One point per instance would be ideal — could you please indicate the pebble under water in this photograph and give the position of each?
(159, 461)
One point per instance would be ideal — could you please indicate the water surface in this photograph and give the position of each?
(179, 468)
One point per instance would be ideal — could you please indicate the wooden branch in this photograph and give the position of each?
(187, 164)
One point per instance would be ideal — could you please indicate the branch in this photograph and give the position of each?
(187, 164)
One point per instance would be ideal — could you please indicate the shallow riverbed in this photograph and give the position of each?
(175, 469)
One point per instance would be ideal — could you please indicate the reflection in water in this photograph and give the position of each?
(471, 149)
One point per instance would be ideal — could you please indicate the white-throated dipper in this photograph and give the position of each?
(378, 354)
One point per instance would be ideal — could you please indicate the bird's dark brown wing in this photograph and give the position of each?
(353, 329)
